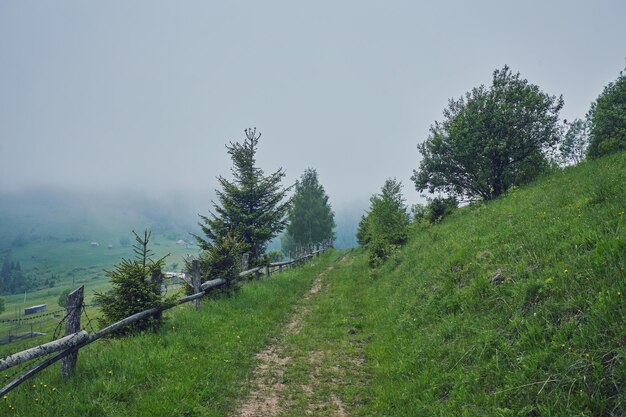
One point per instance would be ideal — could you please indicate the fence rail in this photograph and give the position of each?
(75, 339)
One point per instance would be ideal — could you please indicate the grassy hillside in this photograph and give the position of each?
(549, 340)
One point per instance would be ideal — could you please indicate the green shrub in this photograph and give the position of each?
(438, 208)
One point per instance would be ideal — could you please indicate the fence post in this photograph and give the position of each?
(257, 273)
(267, 270)
(72, 325)
(195, 280)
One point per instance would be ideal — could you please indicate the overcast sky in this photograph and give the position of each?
(143, 95)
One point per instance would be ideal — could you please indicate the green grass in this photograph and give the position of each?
(427, 334)
(550, 340)
(194, 366)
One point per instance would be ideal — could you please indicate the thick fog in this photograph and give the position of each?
(142, 96)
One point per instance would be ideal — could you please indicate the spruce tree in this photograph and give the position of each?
(311, 219)
(251, 207)
(136, 287)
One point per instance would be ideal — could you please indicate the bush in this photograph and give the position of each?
(379, 251)
(438, 208)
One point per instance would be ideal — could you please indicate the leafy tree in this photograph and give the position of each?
(251, 207)
(2, 305)
(311, 219)
(574, 145)
(489, 140)
(607, 119)
(136, 287)
(388, 218)
(385, 226)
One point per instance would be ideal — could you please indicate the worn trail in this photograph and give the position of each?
(303, 371)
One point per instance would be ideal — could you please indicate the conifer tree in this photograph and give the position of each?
(311, 219)
(251, 207)
(135, 288)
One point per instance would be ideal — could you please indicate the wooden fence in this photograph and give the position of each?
(75, 339)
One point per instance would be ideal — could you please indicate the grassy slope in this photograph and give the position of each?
(194, 366)
(549, 341)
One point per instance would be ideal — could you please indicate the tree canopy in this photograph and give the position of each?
(607, 119)
(251, 207)
(490, 139)
(311, 219)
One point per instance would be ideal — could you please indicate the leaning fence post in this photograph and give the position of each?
(72, 325)
(195, 280)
